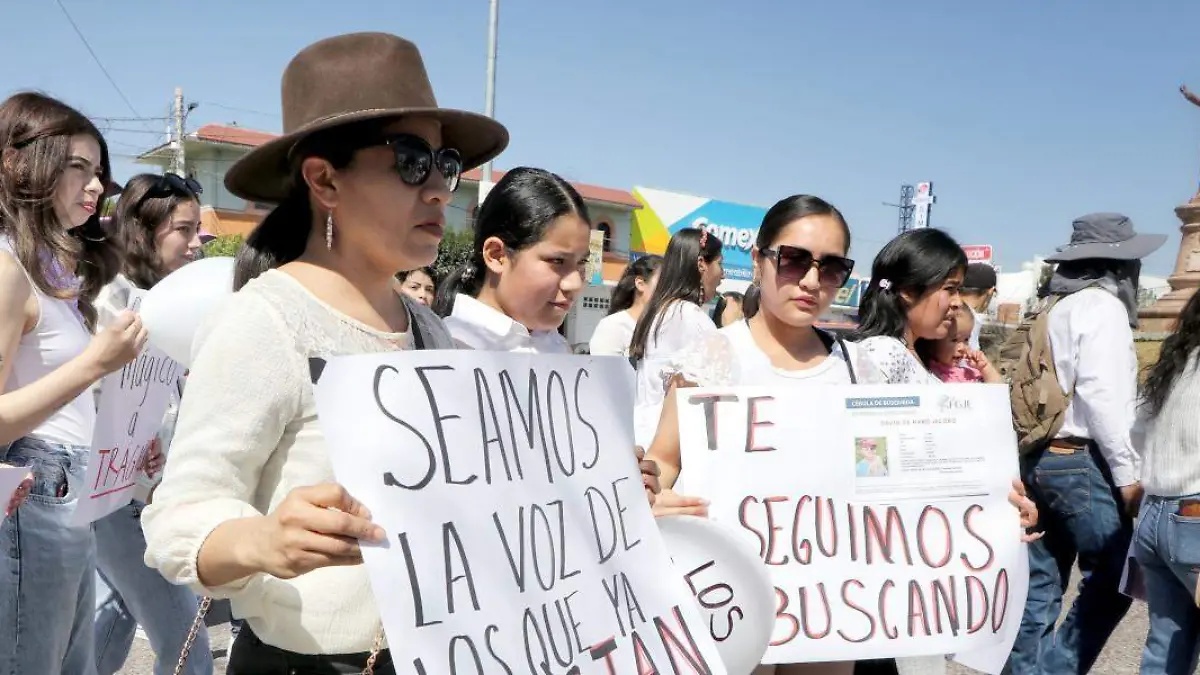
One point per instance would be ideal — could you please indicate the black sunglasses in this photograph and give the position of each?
(415, 161)
(794, 263)
(174, 184)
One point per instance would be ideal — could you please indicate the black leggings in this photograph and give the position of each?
(252, 656)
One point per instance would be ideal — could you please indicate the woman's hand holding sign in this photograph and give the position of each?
(671, 503)
(118, 344)
(650, 473)
(314, 527)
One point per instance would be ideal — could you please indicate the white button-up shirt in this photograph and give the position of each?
(474, 325)
(1094, 354)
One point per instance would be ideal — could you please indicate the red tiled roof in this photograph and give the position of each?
(217, 133)
(590, 192)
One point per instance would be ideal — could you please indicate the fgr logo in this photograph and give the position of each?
(947, 403)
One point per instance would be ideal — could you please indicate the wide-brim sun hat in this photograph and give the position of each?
(1106, 236)
(353, 78)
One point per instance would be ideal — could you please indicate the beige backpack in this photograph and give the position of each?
(1039, 403)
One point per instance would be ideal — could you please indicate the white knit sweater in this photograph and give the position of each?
(247, 435)
(1170, 442)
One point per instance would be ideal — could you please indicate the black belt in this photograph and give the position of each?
(252, 656)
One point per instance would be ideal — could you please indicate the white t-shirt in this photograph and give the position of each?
(681, 325)
(731, 357)
(613, 335)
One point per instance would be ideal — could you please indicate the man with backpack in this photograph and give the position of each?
(1074, 392)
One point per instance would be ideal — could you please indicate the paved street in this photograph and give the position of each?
(1121, 657)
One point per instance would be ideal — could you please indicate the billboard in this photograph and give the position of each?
(978, 253)
(665, 213)
(922, 201)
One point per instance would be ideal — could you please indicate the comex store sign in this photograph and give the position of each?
(736, 241)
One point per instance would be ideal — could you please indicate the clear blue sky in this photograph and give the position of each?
(1024, 114)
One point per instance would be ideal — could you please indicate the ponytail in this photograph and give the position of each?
(282, 236)
(279, 239)
(467, 279)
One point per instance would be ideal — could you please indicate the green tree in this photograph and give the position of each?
(224, 246)
(454, 250)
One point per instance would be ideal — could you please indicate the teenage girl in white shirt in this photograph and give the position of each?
(531, 249)
(632, 293)
(673, 320)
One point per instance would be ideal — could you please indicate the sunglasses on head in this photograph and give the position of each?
(416, 160)
(173, 183)
(793, 264)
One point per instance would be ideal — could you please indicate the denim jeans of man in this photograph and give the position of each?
(47, 568)
(129, 594)
(1168, 551)
(1085, 522)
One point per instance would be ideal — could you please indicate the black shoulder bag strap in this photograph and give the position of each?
(829, 341)
(417, 336)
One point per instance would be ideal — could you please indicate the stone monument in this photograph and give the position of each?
(1160, 317)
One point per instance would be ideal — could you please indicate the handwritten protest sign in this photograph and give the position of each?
(133, 401)
(881, 511)
(519, 537)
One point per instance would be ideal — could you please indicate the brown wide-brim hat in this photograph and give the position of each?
(352, 78)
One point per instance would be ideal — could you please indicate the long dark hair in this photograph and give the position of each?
(35, 150)
(625, 291)
(517, 211)
(790, 209)
(1173, 359)
(678, 279)
(283, 234)
(913, 262)
(723, 301)
(137, 216)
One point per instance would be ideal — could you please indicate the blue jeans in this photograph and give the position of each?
(129, 594)
(1085, 521)
(1168, 550)
(47, 568)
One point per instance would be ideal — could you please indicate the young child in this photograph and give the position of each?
(951, 359)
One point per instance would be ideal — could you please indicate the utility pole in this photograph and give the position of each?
(489, 104)
(180, 166)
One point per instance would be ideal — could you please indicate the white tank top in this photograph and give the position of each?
(58, 336)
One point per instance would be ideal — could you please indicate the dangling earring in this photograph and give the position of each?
(329, 232)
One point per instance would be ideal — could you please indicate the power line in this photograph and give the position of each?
(130, 119)
(237, 109)
(97, 58)
(133, 131)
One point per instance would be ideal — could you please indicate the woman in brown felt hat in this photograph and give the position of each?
(362, 175)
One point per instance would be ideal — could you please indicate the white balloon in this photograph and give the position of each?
(731, 586)
(173, 310)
